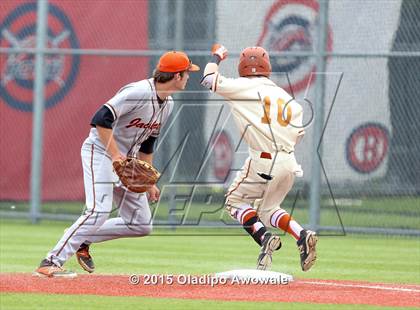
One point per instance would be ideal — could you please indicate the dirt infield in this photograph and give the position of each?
(301, 290)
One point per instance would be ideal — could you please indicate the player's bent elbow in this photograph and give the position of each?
(210, 69)
(207, 81)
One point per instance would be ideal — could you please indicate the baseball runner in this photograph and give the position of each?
(270, 121)
(124, 131)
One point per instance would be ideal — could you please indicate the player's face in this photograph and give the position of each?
(181, 82)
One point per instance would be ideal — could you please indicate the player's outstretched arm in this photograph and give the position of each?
(219, 53)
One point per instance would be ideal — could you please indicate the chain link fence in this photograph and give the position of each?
(370, 168)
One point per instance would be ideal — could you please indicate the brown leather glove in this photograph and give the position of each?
(137, 175)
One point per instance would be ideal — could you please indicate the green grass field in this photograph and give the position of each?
(37, 301)
(390, 212)
(351, 257)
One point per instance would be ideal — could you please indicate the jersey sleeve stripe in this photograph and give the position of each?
(214, 88)
(111, 108)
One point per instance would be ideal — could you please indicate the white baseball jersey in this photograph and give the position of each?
(266, 115)
(270, 122)
(137, 115)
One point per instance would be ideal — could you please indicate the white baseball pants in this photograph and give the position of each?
(134, 216)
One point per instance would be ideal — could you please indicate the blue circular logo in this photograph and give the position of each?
(18, 30)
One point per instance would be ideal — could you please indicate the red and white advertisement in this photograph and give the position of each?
(76, 86)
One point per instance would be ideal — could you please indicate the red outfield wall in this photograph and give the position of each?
(76, 86)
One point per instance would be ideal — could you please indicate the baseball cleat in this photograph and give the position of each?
(306, 244)
(84, 259)
(48, 269)
(270, 244)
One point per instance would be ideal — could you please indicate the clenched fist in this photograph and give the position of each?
(220, 51)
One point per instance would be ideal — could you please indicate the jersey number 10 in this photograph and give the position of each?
(280, 104)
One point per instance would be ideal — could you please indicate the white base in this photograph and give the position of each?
(270, 277)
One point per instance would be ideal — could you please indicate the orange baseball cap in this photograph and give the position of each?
(175, 61)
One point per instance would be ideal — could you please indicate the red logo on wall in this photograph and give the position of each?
(290, 26)
(18, 29)
(76, 86)
(223, 155)
(367, 147)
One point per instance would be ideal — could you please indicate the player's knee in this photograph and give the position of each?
(142, 229)
(228, 208)
(265, 216)
(99, 218)
(147, 229)
(232, 207)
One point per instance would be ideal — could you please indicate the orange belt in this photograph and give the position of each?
(265, 155)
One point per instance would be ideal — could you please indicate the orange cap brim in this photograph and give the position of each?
(194, 68)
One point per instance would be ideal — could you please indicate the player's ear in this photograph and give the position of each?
(180, 75)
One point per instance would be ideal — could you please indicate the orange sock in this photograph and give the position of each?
(281, 219)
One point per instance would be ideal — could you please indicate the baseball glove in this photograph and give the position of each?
(137, 175)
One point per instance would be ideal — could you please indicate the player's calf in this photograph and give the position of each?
(253, 225)
(247, 216)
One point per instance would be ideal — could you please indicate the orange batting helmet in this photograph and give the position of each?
(254, 61)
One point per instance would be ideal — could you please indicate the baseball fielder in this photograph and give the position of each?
(270, 121)
(129, 123)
